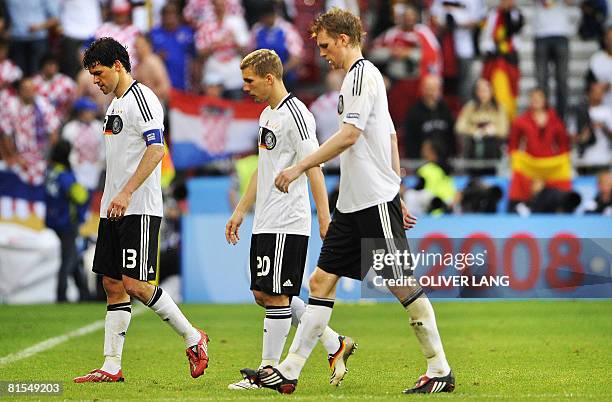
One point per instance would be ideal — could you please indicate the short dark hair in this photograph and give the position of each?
(60, 153)
(48, 58)
(105, 51)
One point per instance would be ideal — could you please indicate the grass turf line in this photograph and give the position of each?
(508, 350)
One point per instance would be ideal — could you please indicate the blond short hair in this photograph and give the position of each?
(263, 62)
(337, 21)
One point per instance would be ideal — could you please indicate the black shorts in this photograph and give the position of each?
(128, 246)
(353, 238)
(277, 263)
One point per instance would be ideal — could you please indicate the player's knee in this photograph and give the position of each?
(113, 287)
(258, 296)
(316, 282)
(136, 288)
(275, 300)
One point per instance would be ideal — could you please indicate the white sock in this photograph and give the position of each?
(423, 322)
(276, 328)
(115, 327)
(167, 310)
(312, 324)
(329, 339)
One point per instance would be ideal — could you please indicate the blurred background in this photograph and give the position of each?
(503, 111)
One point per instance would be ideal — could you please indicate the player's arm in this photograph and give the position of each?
(319, 194)
(244, 206)
(334, 146)
(151, 158)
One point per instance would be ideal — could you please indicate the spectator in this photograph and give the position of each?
(273, 32)
(174, 43)
(600, 66)
(57, 88)
(406, 52)
(9, 71)
(482, 124)
(121, 28)
(221, 43)
(350, 5)
(3, 19)
(79, 20)
(30, 22)
(28, 124)
(327, 123)
(593, 19)
(64, 197)
(430, 118)
(552, 200)
(83, 134)
(435, 190)
(459, 18)
(602, 204)
(501, 45)
(552, 30)
(244, 167)
(151, 70)
(198, 12)
(538, 145)
(146, 13)
(594, 128)
(478, 197)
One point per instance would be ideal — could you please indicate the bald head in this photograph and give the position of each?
(431, 88)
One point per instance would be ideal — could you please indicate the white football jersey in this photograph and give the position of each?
(367, 177)
(286, 135)
(133, 122)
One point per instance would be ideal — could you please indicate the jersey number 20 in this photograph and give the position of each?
(263, 265)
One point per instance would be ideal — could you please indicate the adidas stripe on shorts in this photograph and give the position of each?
(128, 246)
(277, 263)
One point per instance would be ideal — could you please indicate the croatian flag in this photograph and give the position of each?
(204, 129)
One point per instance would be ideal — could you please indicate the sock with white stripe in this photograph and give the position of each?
(167, 310)
(312, 324)
(276, 328)
(423, 322)
(115, 327)
(329, 339)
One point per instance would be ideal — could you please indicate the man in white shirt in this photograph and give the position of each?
(461, 17)
(552, 30)
(131, 211)
(369, 207)
(282, 221)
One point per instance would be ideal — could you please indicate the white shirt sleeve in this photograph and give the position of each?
(149, 118)
(359, 100)
(303, 135)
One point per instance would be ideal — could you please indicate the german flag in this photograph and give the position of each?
(501, 65)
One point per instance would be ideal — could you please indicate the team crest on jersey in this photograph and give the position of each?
(340, 105)
(113, 124)
(267, 139)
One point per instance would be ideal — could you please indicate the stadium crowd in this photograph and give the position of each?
(452, 71)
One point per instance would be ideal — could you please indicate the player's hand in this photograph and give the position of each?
(323, 226)
(118, 206)
(287, 176)
(232, 227)
(409, 219)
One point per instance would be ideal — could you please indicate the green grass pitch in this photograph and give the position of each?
(502, 350)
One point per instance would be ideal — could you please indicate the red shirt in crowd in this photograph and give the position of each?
(550, 140)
